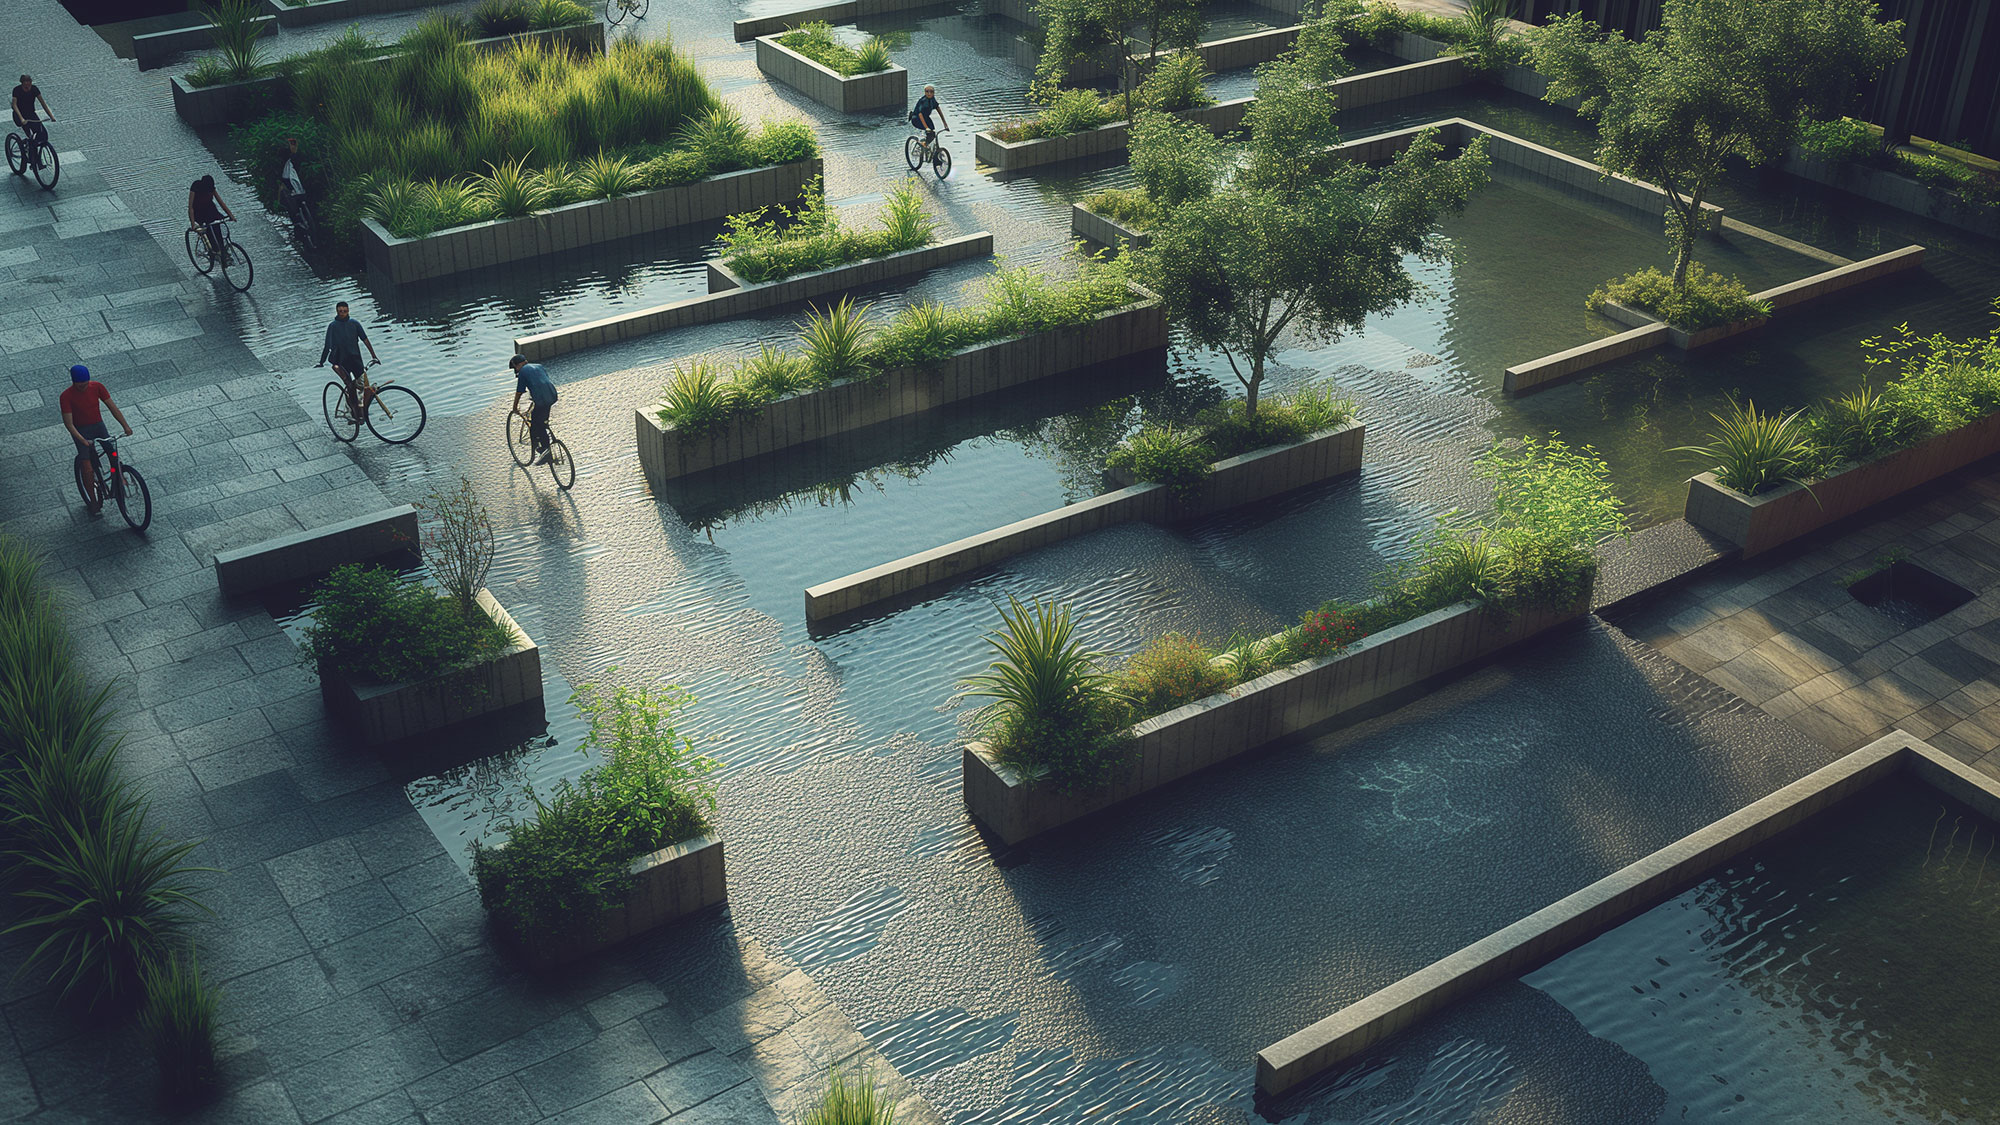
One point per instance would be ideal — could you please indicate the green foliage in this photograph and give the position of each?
(376, 626)
(179, 1022)
(835, 342)
(1171, 670)
(458, 543)
(1175, 160)
(924, 332)
(851, 1101)
(1841, 140)
(1753, 451)
(1704, 300)
(1181, 459)
(1131, 207)
(1852, 426)
(1168, 455)
(1939, 171)
(761, 246)
(1941, 384)
(558, 872)
(1177, 82)
(698, 399)
(1068, 111)
(547, 15)
(494, 18)
(1549, 487)
(1053, 715)
(606, 177)
(235, 30)
(816, 41)
(783, 142)
(1720, 79)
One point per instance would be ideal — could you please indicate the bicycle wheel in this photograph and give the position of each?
(83, 483)
(302, 226)
(913, 150)
(614, 11)
(333, 403)
(17, 161)
(560, 466)
(199, 255)
(520, 441)
(941, 162)
(236, 267)
(639, 8)
(50, 169)
(396, 415)
(135, 500)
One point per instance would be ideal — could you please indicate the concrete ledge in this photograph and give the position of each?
(674, 882)
(729, 296)
(1892, 189)
(746, 30)
(1273, 706)
(157, 47)
(1605, 904)
(978, 370)
(1563, 366)
(1104, 230)
(828, 87)
(500, 241)
(381, 713)
(328, 11)
(1772, 519)
(300, 555)
(1231, 483)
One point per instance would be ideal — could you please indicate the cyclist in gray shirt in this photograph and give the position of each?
(344, 338)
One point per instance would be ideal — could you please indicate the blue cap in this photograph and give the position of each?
(79, 374)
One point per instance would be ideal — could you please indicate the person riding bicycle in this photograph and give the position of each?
(28, 121)
(920, 117)
(344, 338)
(205, 211)
(84, 420)
(532, 379)
(291, 178)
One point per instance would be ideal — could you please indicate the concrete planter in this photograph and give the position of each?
(1102, 229)
(382, 713)
(1681, 338)
(746, 30)
(1273, 706)
(151, 50)
(730, 296)
(1893, 189)
(1772, 519)
(497, 242)
(828, 87)
(327, 11)
(981, 369)
(233, 103)
(1231, 483)
(292, 558)
(674, 882)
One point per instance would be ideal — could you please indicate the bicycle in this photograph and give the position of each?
(21, 152)
(235, 259)
(305, 227)
(387, 409)
(521, 446)
(617, 10)
(920, 150)
(122, 484)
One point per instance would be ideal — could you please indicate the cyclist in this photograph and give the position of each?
(205, 210)
(84, 420)
(921, 116)
(291, 178)
(532, 379)
(344, 338)
(28, 121)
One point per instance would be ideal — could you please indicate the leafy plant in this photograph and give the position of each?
(772, 374)
(835, 341)
(1753, 451)
(1173, 669)
(179, 1021)
(851, 1101)
(458, 544)
(698, 399)
(761, 246)
(606, 177)
(1131, 207)
(510, 190)
(1178, 82)
(547, 15)
(1842, 140)
(1053, 712)
(235, 30)
(376, 626)
(1175, 160)
(1070, 111)
(561, 870)
(1551, 487)
(1169, 455)
(494, 18)
(873, 56)
(1704, 300)
(1853, 426)
(816, 41)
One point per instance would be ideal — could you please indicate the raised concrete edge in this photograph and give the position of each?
(301, 554)
(384, 713)
(1104, 230)
(670, 884)
(841, 93)
(153, 48)
(1603, 905)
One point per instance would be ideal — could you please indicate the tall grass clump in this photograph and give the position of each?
(816, 41)
(179, 1021)
(851, 1100)
(234, 29)
(1753, 450)
(1053, 714)
(764, 245)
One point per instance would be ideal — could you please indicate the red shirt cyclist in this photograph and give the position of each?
(84, 419)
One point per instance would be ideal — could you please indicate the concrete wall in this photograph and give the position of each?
(1231, 483)
(1894, 190)
(151, 50)
(381, 713)
(746, 30)
(1273, 706)
(1772, 519)
(1085, 223)
(673, 883)
(480, 245)
(881, 89)
(736, 299)
(1550, 370)
(844, 407)
(1605, 904)
(328, 11)
(291, 558)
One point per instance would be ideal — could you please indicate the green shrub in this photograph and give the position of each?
(375, 626)
(1753, 451)
(1853, 426)
(179, 1022)
(561, 870)
(923, 333)
(1168, 455)
(835, 342)
(1174, 160)
(1842, 140)
(547, 15)
(1181, 458)
(698, 399)
(760, 246)
(816, 41)
(1053, 715)
(1172, 670)
(1178, 82)
(235, 30)
(1070, 111)
(1939, 171)
(494, 18)
(1707, 300)
(1130, 207)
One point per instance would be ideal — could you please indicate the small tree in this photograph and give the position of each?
(1720, 78)
(1076, 30)
(1300, 238)
(459, 545)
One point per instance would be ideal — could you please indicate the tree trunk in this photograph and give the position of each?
(1687, 228)
(1256, 380)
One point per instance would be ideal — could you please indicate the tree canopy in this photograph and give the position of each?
(1076, 30)
(1720, 78)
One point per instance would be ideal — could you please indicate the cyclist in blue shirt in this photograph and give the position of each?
(532, 379)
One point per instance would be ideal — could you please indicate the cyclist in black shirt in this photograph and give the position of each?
(921, 116)
(205, 210)
(24, 99)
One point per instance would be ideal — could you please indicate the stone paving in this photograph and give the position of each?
(359, 981)
(1787, 636)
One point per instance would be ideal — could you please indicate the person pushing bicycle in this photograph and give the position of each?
(921, 115)
(344, 339)
(84, 419)
(24, 99)
(532, 379)
(291, 178)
